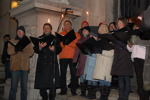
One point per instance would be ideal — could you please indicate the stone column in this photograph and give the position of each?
(32, 14)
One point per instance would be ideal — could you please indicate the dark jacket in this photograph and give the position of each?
(44, 70)
(5, 56)
(122, 63)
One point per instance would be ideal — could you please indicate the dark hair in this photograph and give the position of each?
(48, 24)
(68, 21)
(114, 23)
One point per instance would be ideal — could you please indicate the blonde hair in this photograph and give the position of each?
(103, 29)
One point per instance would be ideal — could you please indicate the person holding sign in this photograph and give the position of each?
(20, 50)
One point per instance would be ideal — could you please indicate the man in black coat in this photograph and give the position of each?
(47, 60)
(5, 57)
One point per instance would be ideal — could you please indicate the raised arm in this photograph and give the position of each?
(138, 41)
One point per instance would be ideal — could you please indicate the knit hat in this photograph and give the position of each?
(87, 28)
(84, 22)
(103, 29)
(100, 24)
(21, 28)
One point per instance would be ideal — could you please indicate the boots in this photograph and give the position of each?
(89, 88)
(93, 95)
(105, 91)
(141, 93)
(52, 94)
(147, 95)
(83, 89)
(102, 92)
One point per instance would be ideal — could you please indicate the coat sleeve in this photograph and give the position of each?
(73, 43)
(28, 50)
(36, 49)
(76, 54)
(11, 50)
(58, 47)
(138, 41)
(130, 49)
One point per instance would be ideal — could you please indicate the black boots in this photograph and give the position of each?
(105, 91)
(102, 92)
(93, 93)
(83, 89)
(89, 88)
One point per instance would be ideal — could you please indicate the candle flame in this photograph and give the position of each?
(49, 20)
(87, 13)
(62, 15)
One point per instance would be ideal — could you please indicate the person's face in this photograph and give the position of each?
(20, 33)
(47, 29)
(84, 24)
(112, 27)
(67, 26)
(85, 32)
(120, 24)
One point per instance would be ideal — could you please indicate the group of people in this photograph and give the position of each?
(94, 70)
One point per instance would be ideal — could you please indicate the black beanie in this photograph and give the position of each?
(21, 28)
(87, 28)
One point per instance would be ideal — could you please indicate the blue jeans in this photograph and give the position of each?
(93, 83)
(15, 75)
(82, 80)
(104, 83)
(7, 70)
(124, 87)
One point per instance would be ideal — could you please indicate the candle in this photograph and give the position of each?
(49, 20)
(87, 18)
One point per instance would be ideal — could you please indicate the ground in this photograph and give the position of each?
(113, 94)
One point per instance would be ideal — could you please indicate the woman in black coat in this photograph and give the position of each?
(45, 63)
(122, 64)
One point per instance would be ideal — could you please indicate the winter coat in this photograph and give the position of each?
(122, 63)
(89, 67)
(80, 58)
(146, 71)
(68, 50)
(103, 65)
(20, 60)
(5, 57)
(44, 70)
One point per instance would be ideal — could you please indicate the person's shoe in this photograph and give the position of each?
(62, 93)
(102, 97)
(74, 93)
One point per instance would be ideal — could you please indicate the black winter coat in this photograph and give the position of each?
(122, 63)
(5, 56)
(44, 70)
